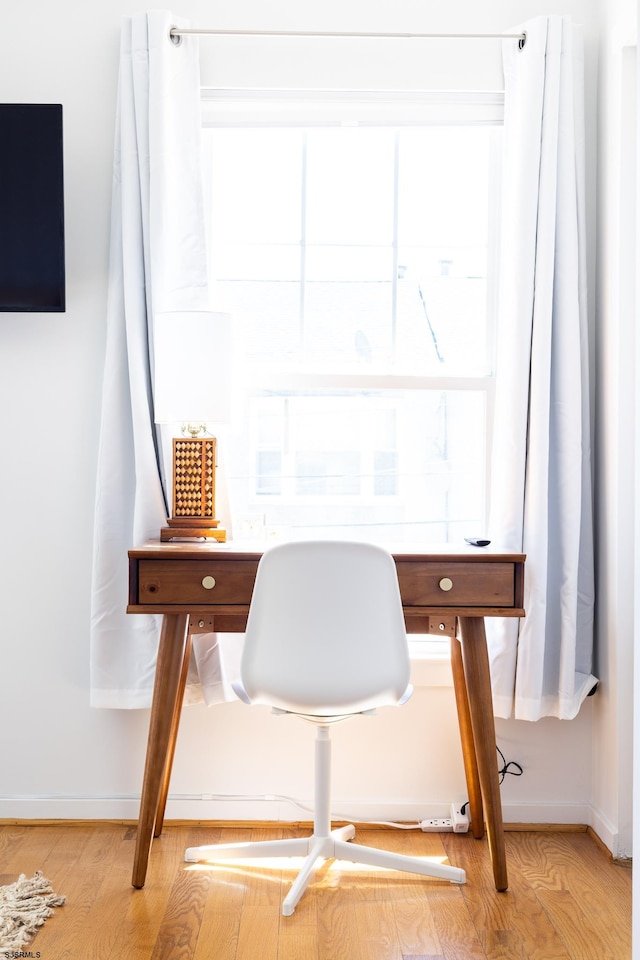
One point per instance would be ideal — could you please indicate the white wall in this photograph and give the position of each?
(59, 757)
(615, 422)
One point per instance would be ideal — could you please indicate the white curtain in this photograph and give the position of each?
(541, 468)
(158, 262)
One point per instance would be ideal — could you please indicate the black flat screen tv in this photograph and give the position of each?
(32, 261)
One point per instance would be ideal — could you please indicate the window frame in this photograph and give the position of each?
(307, 108)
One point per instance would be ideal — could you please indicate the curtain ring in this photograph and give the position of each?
(175, 38)
(522, 41)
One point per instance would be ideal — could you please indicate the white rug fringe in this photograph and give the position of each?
(24, 907)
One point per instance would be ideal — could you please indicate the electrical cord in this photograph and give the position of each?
(502, 773)
(505, 769)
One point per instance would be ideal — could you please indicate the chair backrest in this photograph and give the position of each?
(326, 633)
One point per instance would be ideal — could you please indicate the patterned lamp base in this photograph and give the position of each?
(194, 488)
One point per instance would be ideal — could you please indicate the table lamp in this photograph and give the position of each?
(192, 386)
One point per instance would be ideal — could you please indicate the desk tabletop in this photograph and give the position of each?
(253, 550)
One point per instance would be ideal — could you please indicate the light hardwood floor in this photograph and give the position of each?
(566, 901)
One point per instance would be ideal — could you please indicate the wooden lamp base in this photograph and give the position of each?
(188, 527)
(193, 515)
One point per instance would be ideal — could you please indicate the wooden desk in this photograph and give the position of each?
(205, 587)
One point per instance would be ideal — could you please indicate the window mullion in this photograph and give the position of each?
(395, 254)
(303, 243)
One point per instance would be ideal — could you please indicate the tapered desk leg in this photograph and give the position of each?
(476, 670)
(466, 738)
(173, 736)
(173, 650)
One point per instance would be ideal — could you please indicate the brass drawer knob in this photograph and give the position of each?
(446, 584)
(208, 583)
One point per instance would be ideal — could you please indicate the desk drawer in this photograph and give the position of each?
(456, 584)
(199, 582)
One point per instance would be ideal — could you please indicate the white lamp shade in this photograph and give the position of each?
(193, 353)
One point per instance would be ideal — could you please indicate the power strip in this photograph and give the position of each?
(458, 822)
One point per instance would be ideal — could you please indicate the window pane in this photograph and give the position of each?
(443, 186)
(255, 184)
(267, 318)
(268, 472)
(442, 320)
(385, 481)
(256, 262)
(348, 307)
(350, 186)
(402, 467)
(328, 473)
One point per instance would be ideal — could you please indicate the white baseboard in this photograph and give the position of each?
(207, 808)
(564, 813)
(609, 835)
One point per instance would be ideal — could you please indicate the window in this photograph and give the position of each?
(357, 259)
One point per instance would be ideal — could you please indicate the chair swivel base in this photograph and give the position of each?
(317, 849)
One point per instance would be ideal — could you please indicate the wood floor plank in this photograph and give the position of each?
(423, 956)
(336, 925)
(79, 851)
(574, 926)
(566, 899)
(258, 933)
(407, 894)
(604, 899)
(515, 915)
(504, 945)
(180, 928)
(580, 890)
(542, 859)
(262, 878)
(11, 837)
(137, 914)
(220, 920)
(298, 936)
(541, 864)
(96, 899)
(376, 930)
(27, 851)
(455, 929)
(220, 928)
(416, 927)
(410, 843)
(144, 910)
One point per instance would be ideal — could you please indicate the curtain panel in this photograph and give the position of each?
(540, 498)
(158, 262)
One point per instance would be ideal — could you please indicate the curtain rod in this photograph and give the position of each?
(175, 34)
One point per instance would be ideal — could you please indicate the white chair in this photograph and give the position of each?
(325, 641)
